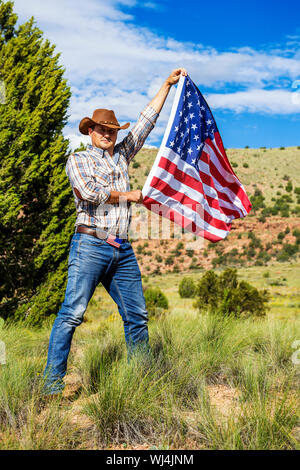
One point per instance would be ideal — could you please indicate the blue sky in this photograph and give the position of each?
(244, 56)
(221, 24)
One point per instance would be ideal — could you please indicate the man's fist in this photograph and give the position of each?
(175, 76)
(135, 196)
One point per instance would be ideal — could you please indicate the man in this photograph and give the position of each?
(99, 250)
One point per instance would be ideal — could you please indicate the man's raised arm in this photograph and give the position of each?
(160, 98)
(135, 139)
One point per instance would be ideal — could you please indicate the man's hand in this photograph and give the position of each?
(175, 76)
(131, 196)
(135, 196)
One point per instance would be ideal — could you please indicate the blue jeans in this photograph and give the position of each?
(91, 261)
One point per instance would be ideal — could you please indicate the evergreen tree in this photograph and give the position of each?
(36, 203)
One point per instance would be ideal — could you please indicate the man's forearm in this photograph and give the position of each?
(115, 197)
(130, 196)
(160, 98)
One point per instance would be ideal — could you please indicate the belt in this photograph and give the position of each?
(102, 235)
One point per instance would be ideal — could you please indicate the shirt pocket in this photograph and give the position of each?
(105, 179)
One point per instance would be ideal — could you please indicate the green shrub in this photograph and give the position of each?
(207, 290)
(223, 294)
(289, 187)
(288, 250)
(139, 249)
(257, 200)
(245, 165)
(187, 288)
(189, 253)
(136, 165)
(156, 301)
(296, 210)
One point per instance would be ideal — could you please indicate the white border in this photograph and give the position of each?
(166, 134)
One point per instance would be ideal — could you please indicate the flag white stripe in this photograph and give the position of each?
(236, 202)
(186, 212)
(235, 199)
(191, 171)
(229, 177)
(166, 134)
(192, 193)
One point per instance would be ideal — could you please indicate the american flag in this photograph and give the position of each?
(192, 182)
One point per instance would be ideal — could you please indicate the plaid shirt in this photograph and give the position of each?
(95, 173)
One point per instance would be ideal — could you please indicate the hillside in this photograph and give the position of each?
(270, 232)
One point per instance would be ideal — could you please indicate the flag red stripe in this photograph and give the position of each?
(181, 220)
(193, 183)
(167, 190)
(236, 188)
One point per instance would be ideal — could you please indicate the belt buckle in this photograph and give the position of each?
(101, 234)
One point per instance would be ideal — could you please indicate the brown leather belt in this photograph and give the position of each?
(101, 234)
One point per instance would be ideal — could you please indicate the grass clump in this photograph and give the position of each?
(187, 288)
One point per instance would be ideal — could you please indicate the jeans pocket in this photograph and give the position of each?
(74, 250)
(90, 240)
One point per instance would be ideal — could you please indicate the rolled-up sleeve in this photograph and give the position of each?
(135, 139)
(81, 176)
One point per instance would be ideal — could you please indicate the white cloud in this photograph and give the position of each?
(256, 101)
(110, 62)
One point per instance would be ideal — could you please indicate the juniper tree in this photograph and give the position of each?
(36, 203)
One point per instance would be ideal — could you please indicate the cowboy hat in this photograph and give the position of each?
(105, 117)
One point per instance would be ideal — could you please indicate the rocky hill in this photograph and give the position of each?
(271, 232)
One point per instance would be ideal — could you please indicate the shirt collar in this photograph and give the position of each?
(100, 152)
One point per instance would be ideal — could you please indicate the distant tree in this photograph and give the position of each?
(223, 294)
(187, 288)
(36, 203)
(156, 301)
(208, 290)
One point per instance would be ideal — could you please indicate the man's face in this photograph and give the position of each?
(103, 137)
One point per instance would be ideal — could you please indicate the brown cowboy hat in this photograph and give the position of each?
(106, 117)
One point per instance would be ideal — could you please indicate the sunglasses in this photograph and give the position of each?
(106, 130)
